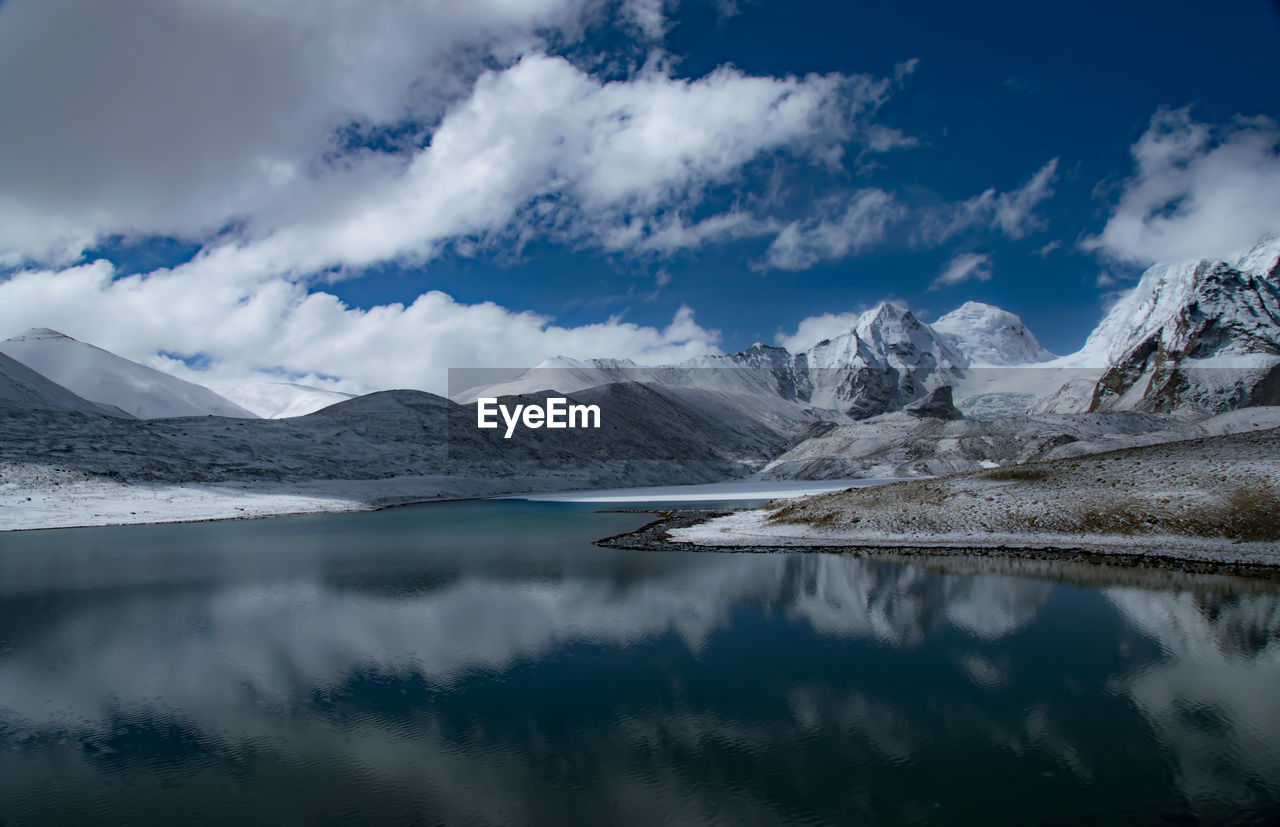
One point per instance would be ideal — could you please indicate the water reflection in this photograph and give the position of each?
(402, 677)
(1214, 698)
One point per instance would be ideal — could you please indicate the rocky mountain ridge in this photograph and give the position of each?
(1200, 336)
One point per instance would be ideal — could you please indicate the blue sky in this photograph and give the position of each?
(1104, 137)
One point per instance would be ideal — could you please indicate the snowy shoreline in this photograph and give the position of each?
(752, 531)
(1214, 500)
(34, 498)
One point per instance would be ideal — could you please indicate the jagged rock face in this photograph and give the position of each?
(790, 372)
(888, 360)
(1216, 349)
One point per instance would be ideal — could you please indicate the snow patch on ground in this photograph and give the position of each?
(44, 497)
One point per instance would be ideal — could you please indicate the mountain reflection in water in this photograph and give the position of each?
(483, 662)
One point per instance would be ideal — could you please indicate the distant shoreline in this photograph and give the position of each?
(1156, 556)
(43, 499)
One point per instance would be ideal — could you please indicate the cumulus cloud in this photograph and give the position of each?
(537, 147)
(181, 119)
(814, 329)
(151, 116)
(542, 148)
(1198, 191)
(962, 268)
(242, 324)
(232, 115)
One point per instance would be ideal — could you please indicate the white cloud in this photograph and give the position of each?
(669, 233)
(542, 147)
(880, 138)
(1199, 191)
(869, 216)
(152, 116)
(814, 329)
(862, 220)
(904, 70)
(1011, 213)
(962, 268)
(539, 147)
(649, 16)
(246, 324)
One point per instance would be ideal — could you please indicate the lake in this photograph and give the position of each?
(482, 662)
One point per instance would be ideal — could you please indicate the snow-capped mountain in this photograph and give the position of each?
(1200, 334)
(987, 336)
(281, 400)
(889, 359)
(20, 385)
(886, 360)
(1197, 335)
(103, 377)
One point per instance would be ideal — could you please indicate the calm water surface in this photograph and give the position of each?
(482, 662)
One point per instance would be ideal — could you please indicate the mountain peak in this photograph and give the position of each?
(39, 333)
(102, 377)
(972, 307)
(1193, 334)
(1263, 260)
(989, 336)
(884, 311)
(1167, 289)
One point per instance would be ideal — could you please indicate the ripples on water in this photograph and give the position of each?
(483, 662)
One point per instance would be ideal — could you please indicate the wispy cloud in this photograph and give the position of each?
(847, 226)
(1010, 213)
(964, 267)
(904, 70)
(859, 222)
